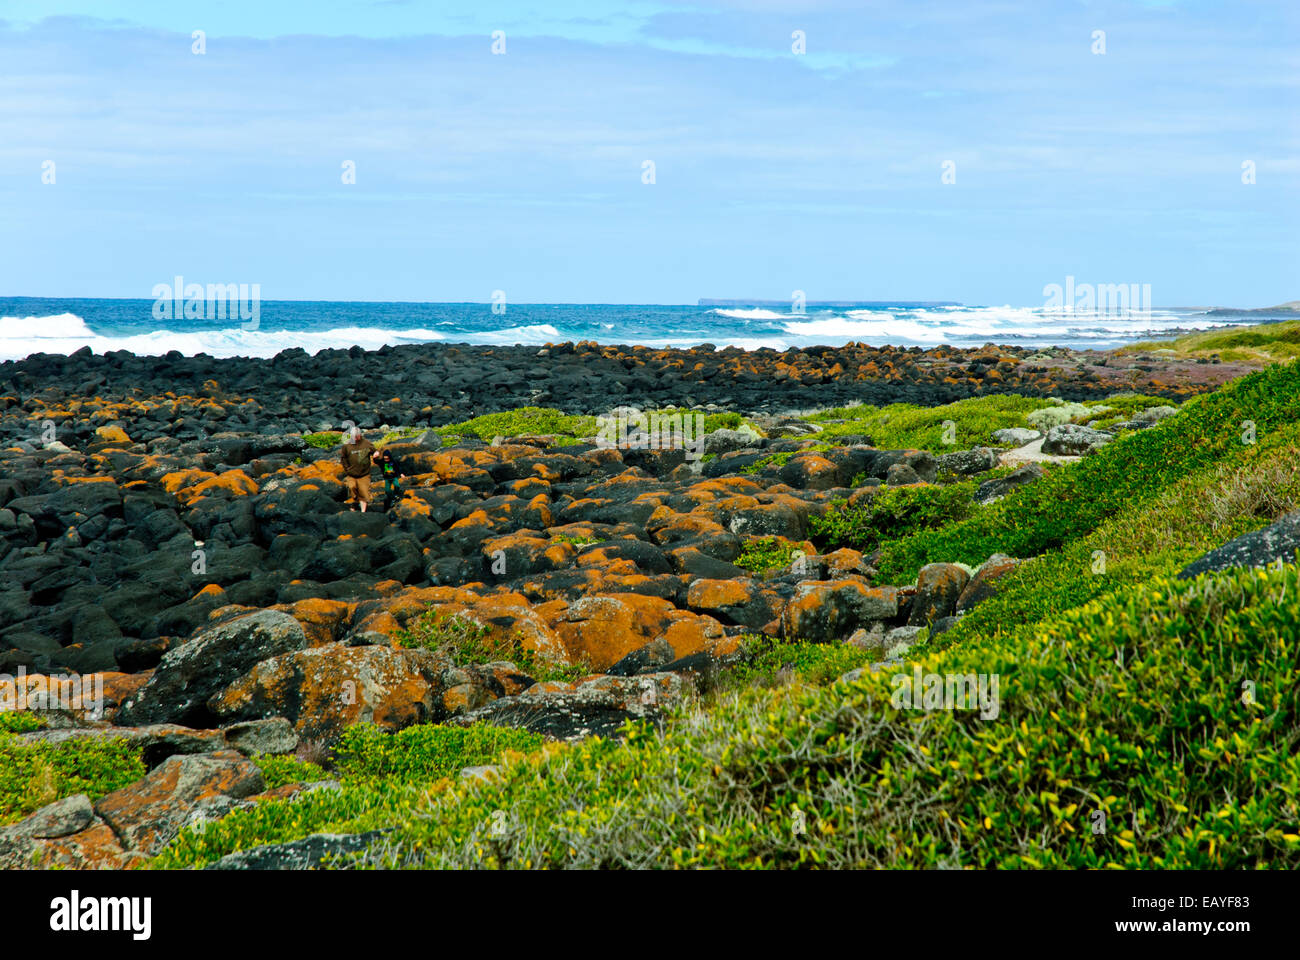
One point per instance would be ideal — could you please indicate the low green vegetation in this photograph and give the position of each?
(524, 420)
(1129, 709)
(771, 460)
(1155, 538)
(771, 663)
(424, 753)
(904, 425)
(400, 434)
(567, 428)
(764, 554)
(383, 779)
(1069, 504)
(966, 423)
(575, 540)
(278, 770)
(20, 721)
(467, 641)
(1258, 343)
(893, 512)
(33, 775)
(323, 441)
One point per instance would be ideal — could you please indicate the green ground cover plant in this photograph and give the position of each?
(1129, 708)
(764, 554)
(33, 775)
(323, 441)
(893, 512)
(1265, 342)
(1068, 504)
(467, 641)
(383, 777)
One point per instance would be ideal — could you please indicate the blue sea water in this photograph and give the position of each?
(31, 325)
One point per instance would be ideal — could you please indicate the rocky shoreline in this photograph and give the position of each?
(440, 383)
(165, 525)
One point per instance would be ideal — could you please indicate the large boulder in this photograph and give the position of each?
(991, 490)
(59, 819)
(309, 853)
(965, 463)
(324, 689)
(1074, 440)
(1015, 436)
(214, 657)
(986, 581)
(826, 610)
(148, 814)
(597, 706)
(1259, 548)
(938, 587)
(733, 601)
(602, 629)
(725, 441)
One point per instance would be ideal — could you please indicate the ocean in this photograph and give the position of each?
(39, 325)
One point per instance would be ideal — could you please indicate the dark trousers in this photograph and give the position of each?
(391, 492)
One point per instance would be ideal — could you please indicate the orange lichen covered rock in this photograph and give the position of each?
(149, 813)
(112, 434)
(324, 621)
(324, 689)
(601, 630)
(831, 610)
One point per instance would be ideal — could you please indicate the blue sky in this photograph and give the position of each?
(773, 171)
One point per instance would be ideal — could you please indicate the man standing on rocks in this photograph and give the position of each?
(355, 456)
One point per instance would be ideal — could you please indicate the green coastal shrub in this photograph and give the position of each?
(1048, 417)
(20, 721)
(1130, 708)
(530, 420)
(33, 775)
(425, 752)
(763, 554)
(1251, 488)
(352, 808)
(1263, 342)
(905, 426)
(384, 779)
(323, 441)
(893, 512)
(770, 662)
(462, 637)
(576, 540)
(771, 460)
(277, 770)
(1068, 504)
(467, 641)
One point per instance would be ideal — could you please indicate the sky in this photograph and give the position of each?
(966, 150)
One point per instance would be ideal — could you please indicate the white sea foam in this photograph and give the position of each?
(59, 326)
(964, 324)
(66, 333)
(534, 333)
(755, 313)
